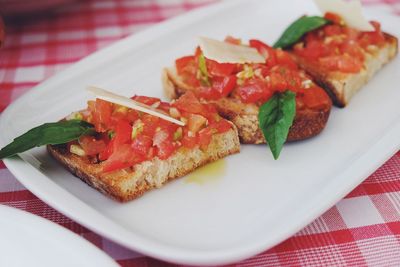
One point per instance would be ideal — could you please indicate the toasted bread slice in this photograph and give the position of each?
(127, 184)
(307, 123)
(340, 86)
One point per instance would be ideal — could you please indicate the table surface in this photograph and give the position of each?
(363, 229)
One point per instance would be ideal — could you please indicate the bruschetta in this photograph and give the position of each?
(238, 90)
(342, 59)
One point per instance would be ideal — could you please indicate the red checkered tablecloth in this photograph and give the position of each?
(361, 230)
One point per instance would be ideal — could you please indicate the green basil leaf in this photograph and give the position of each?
(203, 71)
(275, 119)
(48, 134)
(298, 28)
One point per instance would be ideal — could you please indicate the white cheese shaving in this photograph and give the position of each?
(223, 52)
(127, 102)
(350, 11)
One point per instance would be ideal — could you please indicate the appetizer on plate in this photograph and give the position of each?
(260, 89)
(124, 152)
(341, 51)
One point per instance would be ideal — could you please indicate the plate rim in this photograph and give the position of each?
(162, 251)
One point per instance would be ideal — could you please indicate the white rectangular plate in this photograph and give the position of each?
(258, 202)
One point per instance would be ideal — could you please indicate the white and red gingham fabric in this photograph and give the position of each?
(361, 230)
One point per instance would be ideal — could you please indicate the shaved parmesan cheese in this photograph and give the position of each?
(350, 11)
(127, 102)
(223, 52)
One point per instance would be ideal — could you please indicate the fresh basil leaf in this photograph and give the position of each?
(275, 119)
(298, 28)
(203, 71)
(47, 134)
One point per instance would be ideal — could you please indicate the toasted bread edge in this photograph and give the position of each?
(128, 184)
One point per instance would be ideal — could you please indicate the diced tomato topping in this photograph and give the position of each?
(335, 18)
(265, 50)
(106, 153)
(253, 91)
(101, 112)
(189, 103)
(146, 100)
(338, 47)
(124, 157)
(150, 124)
(219, 69)
(165, 150)
(283, 58)
(123, 133)
(221, 126)
(129, 137)
(341, 63)
(132, 115)
(142, 144)
(91, 146)
(333, 29)
(316, 98)
(222, 87)
(226, 85)
(185, 65)
(205, 136)
(189, 140)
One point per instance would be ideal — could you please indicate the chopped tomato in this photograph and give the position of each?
(102, 115)
(91, 146)
(124, 157)
(335, 18)
(150, 124)
(333, 29)
(164, 106)
(142, 144)
(278, 82)
(253, 91)
(163, 141)
(313, 49)
(106, 153)
(372, 38)
(283, 58)
(132, 115)
(189, 103)
(221, 87)
(146, 100)
(165, 149)
(225, 86)
(123, 134)
(316, 98)
(221, 126)
(342, 63)
(208, 92)
(219, 69)
(205, 136)
(160, 137)
(353, 49)
(265, 50)
(189, 140)
(186, 65)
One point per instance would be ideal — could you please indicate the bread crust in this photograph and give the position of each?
(306, 124)
(341, 87)
(127, 184)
